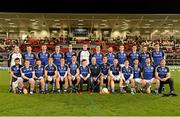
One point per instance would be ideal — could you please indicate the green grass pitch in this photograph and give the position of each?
(88, 105)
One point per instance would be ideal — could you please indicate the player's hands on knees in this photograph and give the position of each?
(85, 78)
(163, 79)
(94, 78)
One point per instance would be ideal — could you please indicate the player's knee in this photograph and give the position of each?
(69, 78)
(170, 80)
(57, 80)
(78, 78)
(157, 81)
(66, 79)
(143, 82)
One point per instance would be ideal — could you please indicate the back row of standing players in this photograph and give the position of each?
(72, 68)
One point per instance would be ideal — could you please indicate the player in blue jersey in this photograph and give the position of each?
(137, 73)
(62, 76)
(121, 55)
(134, 54)
(98, 55)
(69, 54)
(115, 74)
(73, 74)
(95, 75)
(39, 76)
(148, 76)
(163, 74)
(143, 55)
(57, 55)
(105, 74)
(84, 73)
(127, 78)
(17, 81)
(110, 55)
(44, 55)
(157, 55)
(50, 75)
(29, 55)
(28, 75)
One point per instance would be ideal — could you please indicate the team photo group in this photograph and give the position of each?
(113, 72)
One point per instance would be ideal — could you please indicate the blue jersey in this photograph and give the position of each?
(57, 57)
(162, 71)
(39, 71)
(68, 55)
(73, 68)
(143, 57)
(157, 56)
(98, 56)
(84, 71)
(121, 57)
(115, 69)
(31, 57)
(137, 71)
(15, 69)
(27, 71)
(51, 69)
(132, 56)
(148, 72)
(62, 70)
(110, 57)
(105, 68)
(44, 58)
(127, 72)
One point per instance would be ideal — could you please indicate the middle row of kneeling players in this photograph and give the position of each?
(93, 75)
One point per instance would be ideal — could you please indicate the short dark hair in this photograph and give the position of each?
(156, 44)
(26, 60)
(148, 58)
(126, 60)
(28, 46)
(38, 60)
(162, 59)
(145, 46)
(83, 60)
(136, 59)
(16, 59)
(104, 56)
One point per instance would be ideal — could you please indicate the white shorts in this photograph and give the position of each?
(62, 78)
(105, 77)
(137, 80)
(50, 78)
(73, 77)
(15, 84)
(39, 78)
(150, 81)
(127, 82)
(116, 78)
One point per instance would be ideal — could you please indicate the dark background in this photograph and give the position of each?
(91, 6)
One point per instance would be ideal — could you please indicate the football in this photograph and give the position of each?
(105, 91)
(25, 91)
(49, 78)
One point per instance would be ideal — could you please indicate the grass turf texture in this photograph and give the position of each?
(88, 105)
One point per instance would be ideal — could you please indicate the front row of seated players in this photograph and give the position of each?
(94, 75)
